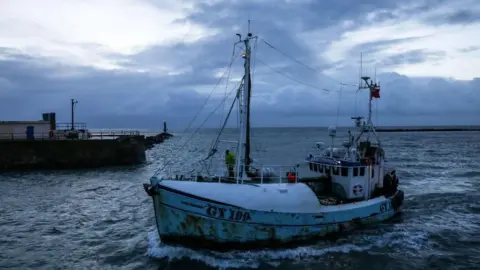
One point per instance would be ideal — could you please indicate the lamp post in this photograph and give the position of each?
(73, 113)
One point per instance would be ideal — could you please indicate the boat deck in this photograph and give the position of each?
(323, 198)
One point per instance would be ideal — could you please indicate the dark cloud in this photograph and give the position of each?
(133, 100)
(405, 10)
(373, 47)
(470, 49)
(302, 15)
(179, 77)
(282, 22)
(461, 17)
(458, 11)
(413, 57)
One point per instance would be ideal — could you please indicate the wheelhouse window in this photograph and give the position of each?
(344, 171)
(362, 171)
(317, 167)
(335, 170)
(355, 171)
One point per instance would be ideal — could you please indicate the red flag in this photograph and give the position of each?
(375, 92)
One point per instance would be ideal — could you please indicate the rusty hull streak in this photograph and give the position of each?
(197, 230)
(191, 227)
(191, 224)
(230, 235)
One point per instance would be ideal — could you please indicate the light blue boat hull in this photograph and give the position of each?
(189, 220)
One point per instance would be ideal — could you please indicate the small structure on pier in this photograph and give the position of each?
(159, 138)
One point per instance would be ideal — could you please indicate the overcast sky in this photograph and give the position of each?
(136, 63)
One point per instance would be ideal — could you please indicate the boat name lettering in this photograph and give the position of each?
(236, 215)
(383, 207)
(191, 204)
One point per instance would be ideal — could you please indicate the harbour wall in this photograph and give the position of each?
(71, 154)
(427, 129)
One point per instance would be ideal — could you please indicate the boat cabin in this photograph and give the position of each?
(345, 179)
(348, 173)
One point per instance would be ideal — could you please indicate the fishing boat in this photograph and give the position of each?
(357, 172)
(269, 206)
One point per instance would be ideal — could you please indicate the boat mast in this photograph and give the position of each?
(243, 161)
(248, 98)
(358, 119)
(369, 125)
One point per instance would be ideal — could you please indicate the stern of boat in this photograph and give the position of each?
(396, 200)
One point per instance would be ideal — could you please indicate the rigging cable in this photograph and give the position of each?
(217, 140)
(291, 78)
(223, 101)
(356, 101)
(229, 112)
(339, 100)
(359, 84)
(226, 88)
(309, 67)
(234, 57)
(211, 93)
(211, 113)
(255, 48)
(214, 144)
(224, 95)
(196, 131)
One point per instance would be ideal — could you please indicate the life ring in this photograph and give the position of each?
(357, 189)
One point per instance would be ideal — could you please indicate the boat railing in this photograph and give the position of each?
(338, 169)
(339, 165)
(219, 173)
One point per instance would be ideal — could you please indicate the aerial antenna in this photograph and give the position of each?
(361, 70)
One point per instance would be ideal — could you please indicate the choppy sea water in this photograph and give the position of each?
(103, 219)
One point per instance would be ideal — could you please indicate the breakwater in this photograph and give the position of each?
(71, 154)
(426, 129)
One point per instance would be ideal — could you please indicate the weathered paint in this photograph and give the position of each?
(201, 222)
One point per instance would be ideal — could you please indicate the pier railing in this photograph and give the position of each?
(69, 126)
(66, 135)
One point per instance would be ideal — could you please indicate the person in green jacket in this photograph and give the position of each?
(230, 162)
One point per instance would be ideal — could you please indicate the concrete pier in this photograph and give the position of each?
(71, 154)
